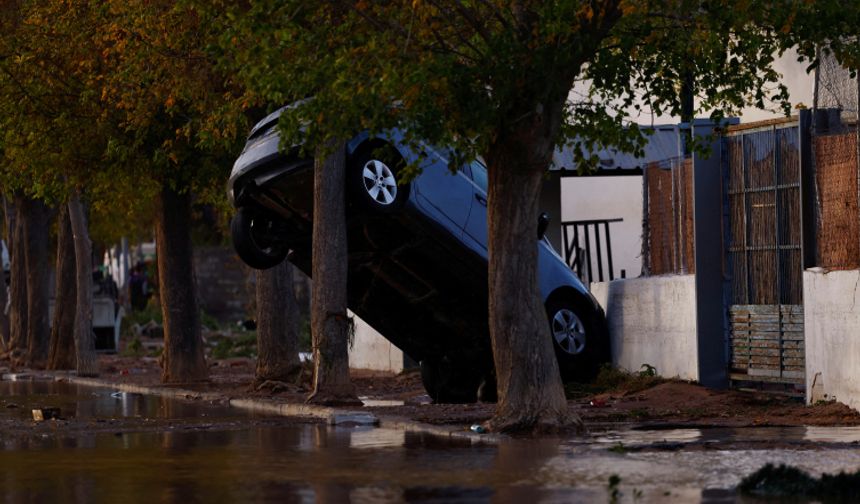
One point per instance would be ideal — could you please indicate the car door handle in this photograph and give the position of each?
(481, 199)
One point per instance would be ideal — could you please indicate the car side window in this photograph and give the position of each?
(479, 174)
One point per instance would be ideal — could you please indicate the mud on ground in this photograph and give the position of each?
(632, 401)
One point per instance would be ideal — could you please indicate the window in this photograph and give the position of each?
(479, 174)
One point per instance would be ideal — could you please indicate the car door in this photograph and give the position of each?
(476, 226)
(448, 194)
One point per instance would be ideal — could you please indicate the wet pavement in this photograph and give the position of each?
(118, 447)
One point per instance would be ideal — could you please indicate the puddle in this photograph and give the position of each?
(19, 398)
(642, 437)
(229, 456)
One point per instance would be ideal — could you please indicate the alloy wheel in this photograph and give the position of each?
(379, 182)
(568, 331)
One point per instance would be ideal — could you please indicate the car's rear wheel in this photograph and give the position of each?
(255, 238)
(450, 382)
(581, 345)
(373, 180)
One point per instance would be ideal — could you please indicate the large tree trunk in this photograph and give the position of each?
(277, 325)
(37, 237)
(86, 363)
(531, 396)
(329, 321)
(18, 281)
(182, 360)
(61, 351)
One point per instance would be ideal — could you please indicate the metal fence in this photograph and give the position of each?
(667, 227)
(588, 249)
(764, 254)
(764, 234)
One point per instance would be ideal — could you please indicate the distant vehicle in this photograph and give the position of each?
(417, 254)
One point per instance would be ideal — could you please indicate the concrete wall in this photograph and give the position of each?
(652, 321)
(370, 350)
(832, 325)
(610, 197)
(223, 283)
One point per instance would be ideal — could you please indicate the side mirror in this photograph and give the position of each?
(543, 223)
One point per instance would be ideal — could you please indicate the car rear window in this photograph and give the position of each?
(479, 174)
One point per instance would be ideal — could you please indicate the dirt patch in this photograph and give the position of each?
(686, 403)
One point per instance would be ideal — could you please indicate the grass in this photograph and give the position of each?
(611, 379)
(226, 347)
(140, 317)
(134, 348)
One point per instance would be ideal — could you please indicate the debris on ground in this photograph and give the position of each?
(790, 482)
(42, 414)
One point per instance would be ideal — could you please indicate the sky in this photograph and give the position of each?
(799, 83)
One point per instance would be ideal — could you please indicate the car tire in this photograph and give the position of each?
(249, 228)
(580, 340)
(448, 382)
(372, 179)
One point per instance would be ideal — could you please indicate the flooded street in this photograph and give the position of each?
(117, 447)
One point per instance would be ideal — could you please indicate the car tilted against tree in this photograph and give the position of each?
(417, 254)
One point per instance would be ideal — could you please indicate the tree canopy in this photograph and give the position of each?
(512, 81)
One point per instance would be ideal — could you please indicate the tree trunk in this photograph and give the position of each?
(37, 236)
(61, 352)
(86, 363)
(531, 396)
(182, 360)
(277, 325)
(18, 281)
(8, 229)
(329, 321)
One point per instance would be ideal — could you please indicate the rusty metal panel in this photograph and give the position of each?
(767, 341)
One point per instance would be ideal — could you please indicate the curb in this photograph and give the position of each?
(332, 416)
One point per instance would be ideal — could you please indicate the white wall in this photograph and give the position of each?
(586, 198)
(652, 321)
(794, 77)
(372, 351)
(832, 325)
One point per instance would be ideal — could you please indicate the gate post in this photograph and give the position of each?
(708, 247)
(807, 191)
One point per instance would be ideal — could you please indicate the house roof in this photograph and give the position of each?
(663, 145)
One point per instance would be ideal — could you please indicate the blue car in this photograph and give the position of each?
(417, 255)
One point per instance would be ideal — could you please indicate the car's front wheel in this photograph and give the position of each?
(255, 238)
(580, 342)
(373, 179)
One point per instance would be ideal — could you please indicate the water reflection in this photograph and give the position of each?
(198, 460)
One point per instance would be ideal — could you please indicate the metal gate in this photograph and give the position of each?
(762, 185)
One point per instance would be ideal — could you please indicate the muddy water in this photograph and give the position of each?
(206, 453)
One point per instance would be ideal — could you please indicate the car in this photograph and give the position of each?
(417, 254)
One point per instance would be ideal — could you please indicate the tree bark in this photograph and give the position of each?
(531, 395)
(61, 352)
(36, 237)
(277, 325)
(86, 362)
(18, 281)
(329, 321)
(182, 360)
(8, 230)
